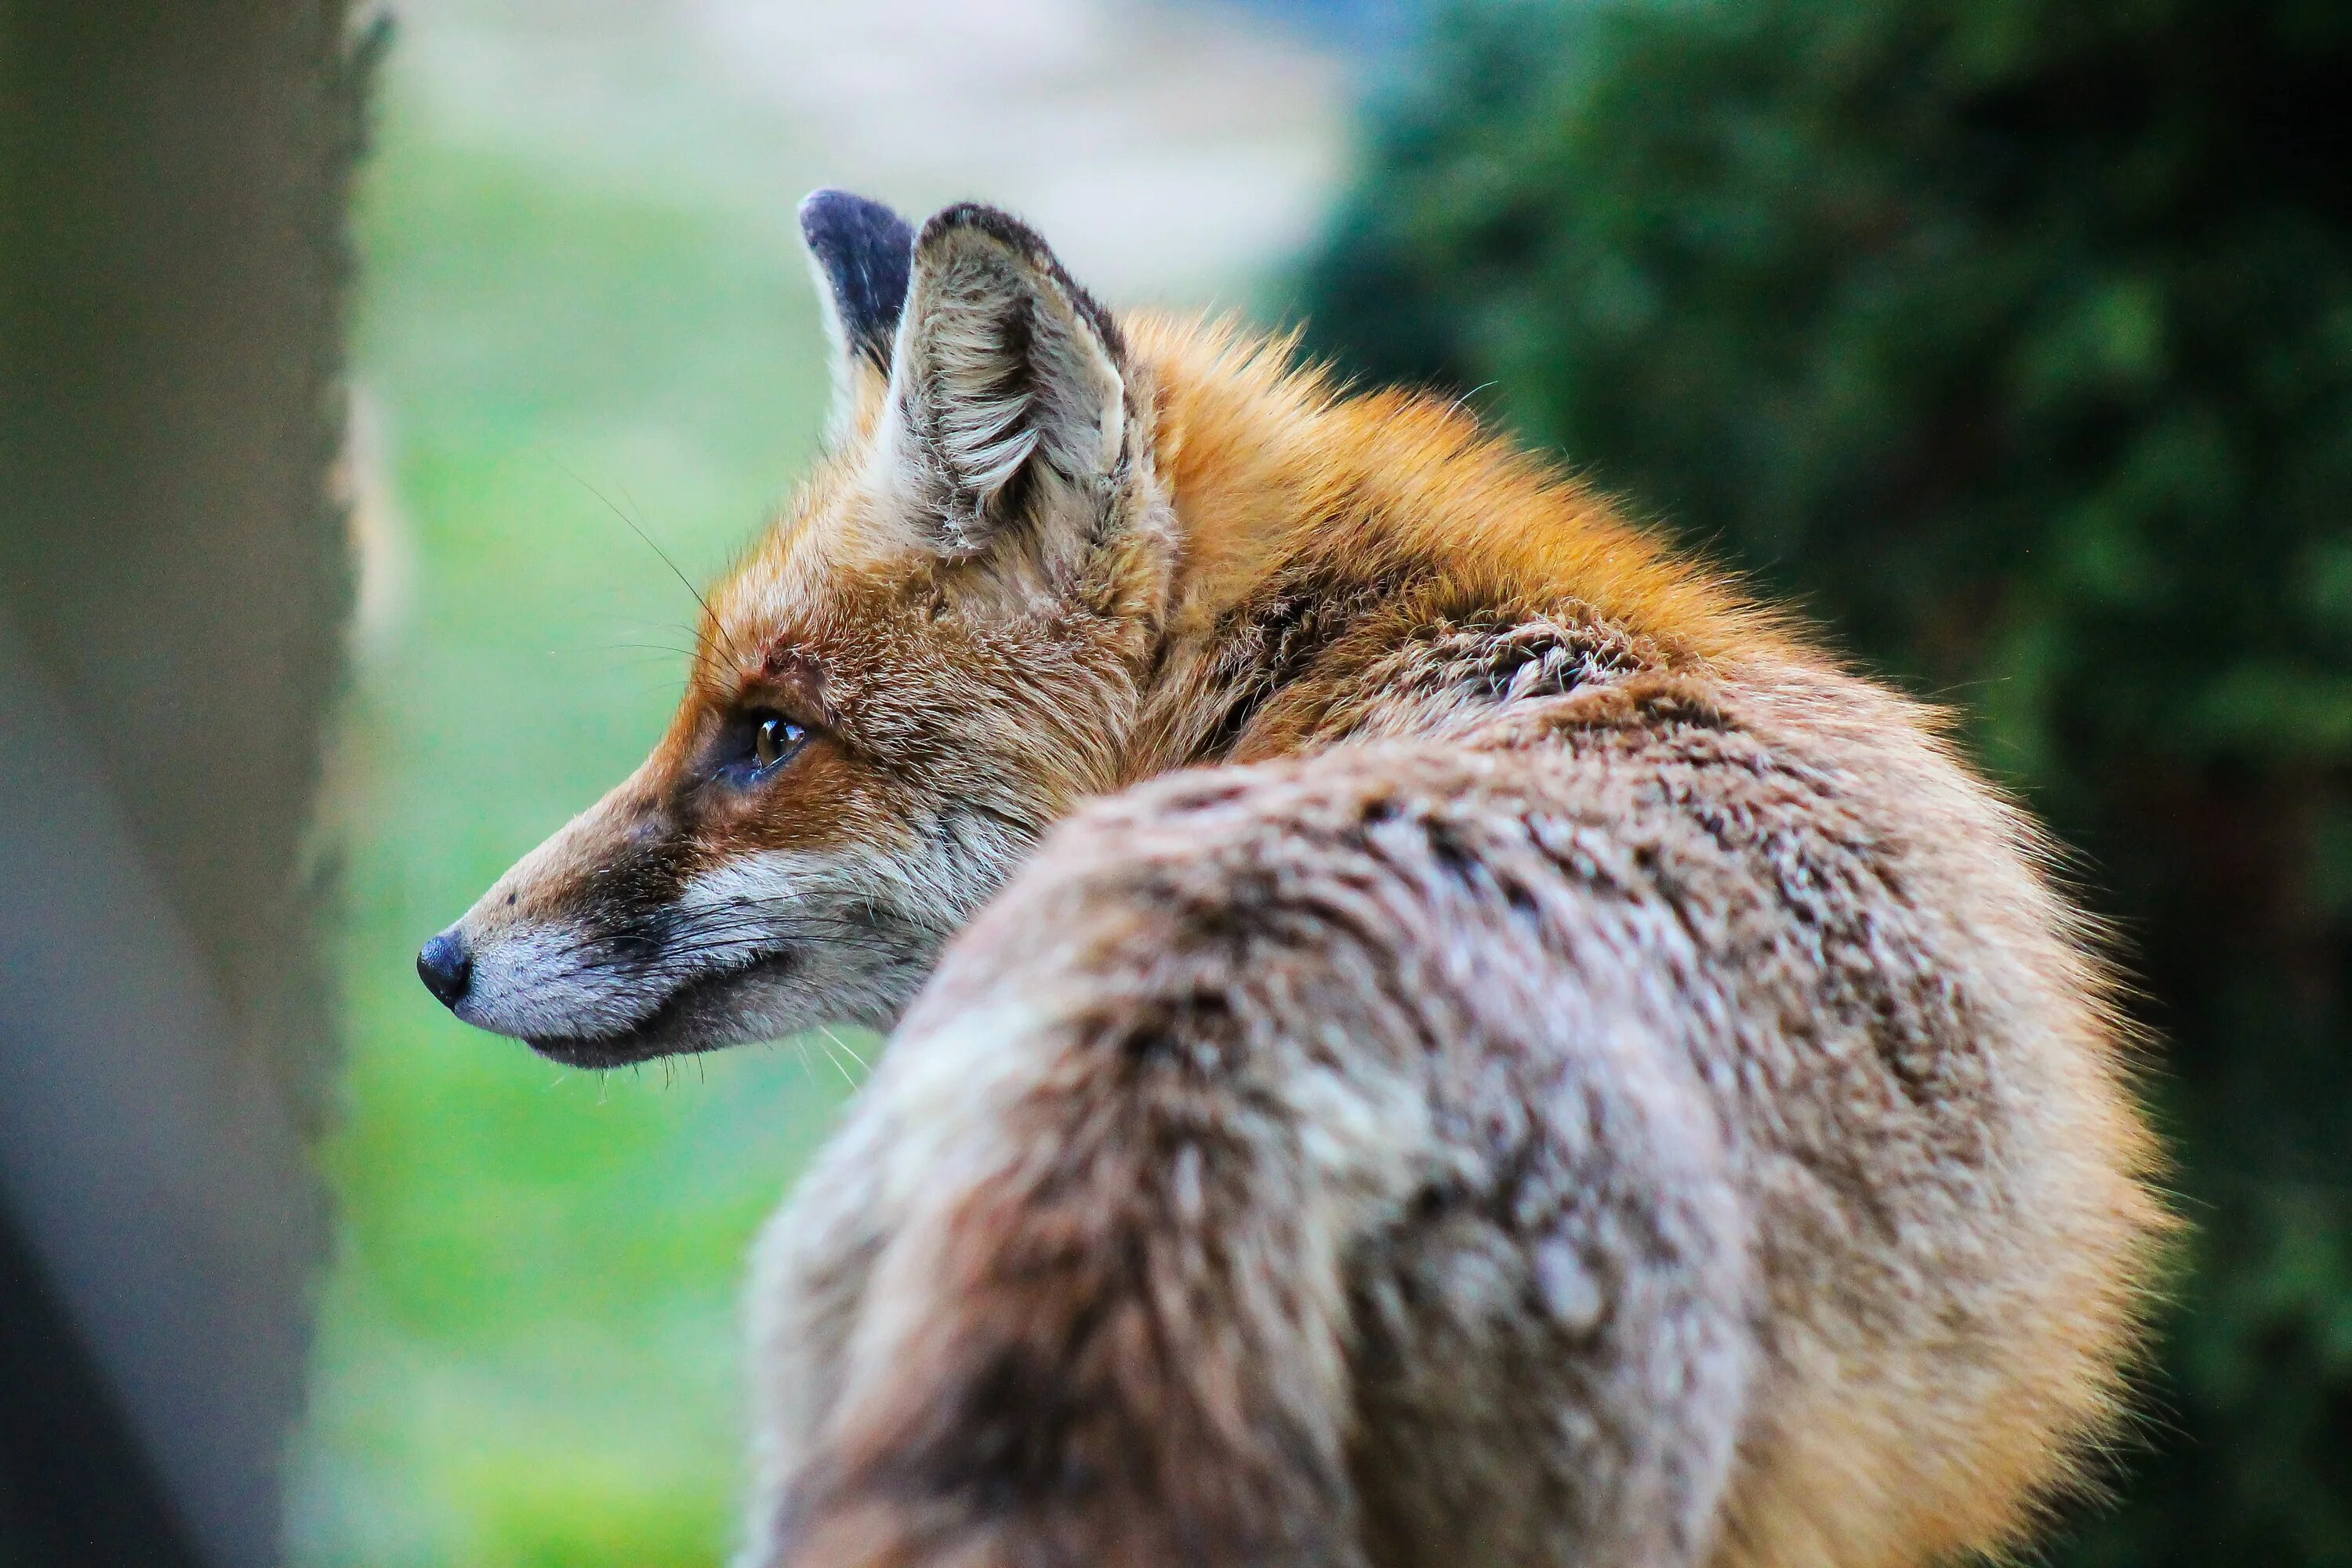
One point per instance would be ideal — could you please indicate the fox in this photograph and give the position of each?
(1427, 1026)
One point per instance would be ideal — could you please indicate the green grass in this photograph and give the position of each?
(529, 1350)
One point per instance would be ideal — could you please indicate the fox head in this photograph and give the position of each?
(936, 651)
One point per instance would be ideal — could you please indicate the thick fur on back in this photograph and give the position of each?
(1600, 1086)
(1662, 1123)
(1456, 1039)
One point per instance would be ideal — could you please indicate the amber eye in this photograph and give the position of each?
(774, 740)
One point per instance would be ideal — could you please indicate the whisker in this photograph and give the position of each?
(644, 533)
(657, 549)
(838, 1067)
(846, 1045)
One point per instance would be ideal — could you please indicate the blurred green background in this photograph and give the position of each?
(2013, 338)
(529, 1346)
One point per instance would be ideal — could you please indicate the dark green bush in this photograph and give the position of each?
(2014, 338)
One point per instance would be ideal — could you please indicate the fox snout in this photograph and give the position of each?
(659, 923)
(575, 949)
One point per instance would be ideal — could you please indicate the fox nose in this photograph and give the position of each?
(446, 966)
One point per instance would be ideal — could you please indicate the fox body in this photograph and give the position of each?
(1428, 1030)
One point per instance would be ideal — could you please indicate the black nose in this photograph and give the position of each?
(445, 965)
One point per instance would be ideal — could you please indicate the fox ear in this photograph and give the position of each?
(862, 252)
(1007, 390)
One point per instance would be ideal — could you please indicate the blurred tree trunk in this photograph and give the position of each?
(173, 580)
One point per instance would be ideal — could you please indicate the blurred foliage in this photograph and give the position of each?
(2015, 337)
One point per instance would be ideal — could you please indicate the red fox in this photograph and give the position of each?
(1430, 1030)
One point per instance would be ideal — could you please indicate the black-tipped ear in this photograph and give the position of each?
(1009, 380)
(864, 250)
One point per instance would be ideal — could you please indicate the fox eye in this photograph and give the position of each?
(773, 739)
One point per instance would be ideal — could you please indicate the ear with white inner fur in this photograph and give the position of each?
(1006, 391)
(862, 252)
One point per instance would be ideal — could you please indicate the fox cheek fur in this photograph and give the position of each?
(1437, 1035)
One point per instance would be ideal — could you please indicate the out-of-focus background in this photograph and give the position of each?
(2013, 338)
